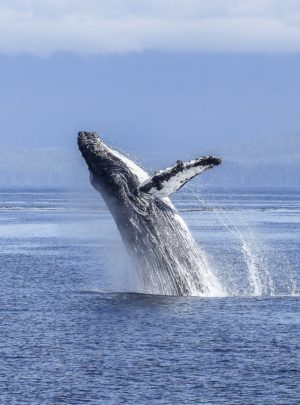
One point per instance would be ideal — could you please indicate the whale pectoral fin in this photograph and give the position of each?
(166, 182)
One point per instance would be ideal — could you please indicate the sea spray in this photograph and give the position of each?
(250, 265)
(259, 276)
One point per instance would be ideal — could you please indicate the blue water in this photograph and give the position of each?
(73, 330)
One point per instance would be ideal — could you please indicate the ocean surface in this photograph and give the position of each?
(75, 330)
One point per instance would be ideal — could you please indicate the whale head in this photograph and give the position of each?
(110, 170)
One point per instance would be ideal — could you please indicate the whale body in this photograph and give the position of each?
(167, 258)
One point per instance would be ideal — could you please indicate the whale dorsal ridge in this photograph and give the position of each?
(166, 182)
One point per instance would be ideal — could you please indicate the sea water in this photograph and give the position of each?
(74, 329)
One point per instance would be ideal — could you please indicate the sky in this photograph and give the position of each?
(121, 26)
(162, 80)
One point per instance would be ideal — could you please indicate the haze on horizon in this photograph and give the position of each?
(161, 80)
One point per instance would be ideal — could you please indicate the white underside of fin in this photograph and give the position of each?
(175, 181)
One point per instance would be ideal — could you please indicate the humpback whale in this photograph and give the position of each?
(167, 258)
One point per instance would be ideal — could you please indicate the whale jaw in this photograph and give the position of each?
(107, 162)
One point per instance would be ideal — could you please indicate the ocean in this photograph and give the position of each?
(76, 330)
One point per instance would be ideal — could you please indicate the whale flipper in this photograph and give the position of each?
(166, 182)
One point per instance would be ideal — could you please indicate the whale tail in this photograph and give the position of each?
(166, 182)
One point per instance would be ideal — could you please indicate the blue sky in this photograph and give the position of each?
(160, 78)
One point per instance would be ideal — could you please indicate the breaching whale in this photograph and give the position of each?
(167, 259)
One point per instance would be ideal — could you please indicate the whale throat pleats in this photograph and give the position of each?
(166, 182)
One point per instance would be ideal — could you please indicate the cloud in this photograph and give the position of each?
(120, 26)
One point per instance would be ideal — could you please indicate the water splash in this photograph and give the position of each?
(252, 264)
(259, 276)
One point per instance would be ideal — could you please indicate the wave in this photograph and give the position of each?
(136, 294)
(262, 209)
(31, 209)
(179, 209)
